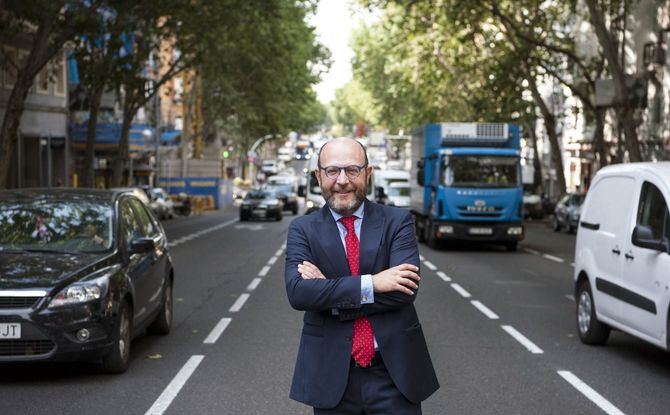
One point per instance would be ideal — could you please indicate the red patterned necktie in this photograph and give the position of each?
(363, 348)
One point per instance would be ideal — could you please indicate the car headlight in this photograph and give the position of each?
(81, 292)
(309, 204)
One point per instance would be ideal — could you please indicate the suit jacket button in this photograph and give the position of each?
(348, 338)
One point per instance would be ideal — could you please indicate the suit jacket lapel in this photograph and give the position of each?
(371, 235)
(328, 236)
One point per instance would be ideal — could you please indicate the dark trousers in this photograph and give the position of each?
(370, 391)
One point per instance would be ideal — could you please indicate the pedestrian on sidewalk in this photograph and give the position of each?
(353, 267)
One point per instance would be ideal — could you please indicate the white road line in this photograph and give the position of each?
(430, 265)
(279, 252)
(587, 391)
(218, 330)
(163, 402)
(239, 303)
(263, 272)
(522, 339)
(553, 258)
(484, 309)
(200, 233)
(570, 297)
(460, 290)
(444, 276)
(272, 260)
(532, 251)
(421, 257)
(253, 284)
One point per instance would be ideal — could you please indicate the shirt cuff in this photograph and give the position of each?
(367, 290)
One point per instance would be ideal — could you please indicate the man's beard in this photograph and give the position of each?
(344, 209)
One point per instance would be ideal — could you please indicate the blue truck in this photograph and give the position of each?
(469, 183)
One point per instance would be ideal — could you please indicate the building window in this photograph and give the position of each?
(60, 75)
(42, 81)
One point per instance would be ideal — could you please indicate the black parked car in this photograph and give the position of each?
(567, 212)
(261, 204)
(81, 273)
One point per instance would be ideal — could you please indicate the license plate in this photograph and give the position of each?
(481, 231)
(259, 212)
(10, 330)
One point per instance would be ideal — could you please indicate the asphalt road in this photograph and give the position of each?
(500, 328)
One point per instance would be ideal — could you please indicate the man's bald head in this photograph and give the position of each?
(339, 143)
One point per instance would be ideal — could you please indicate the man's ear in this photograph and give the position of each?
(317, 173)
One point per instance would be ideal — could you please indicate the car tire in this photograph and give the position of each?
(433, 242)
(419, 230)
(243, 218)
(557, 225)
(295, 210)
(590, 330)
(116, 361)
(163, 321)
(279, 217)
(511, 246)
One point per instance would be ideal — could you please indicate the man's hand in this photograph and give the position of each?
(309, 271)
(400, 278)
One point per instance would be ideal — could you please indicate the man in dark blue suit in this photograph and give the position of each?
(353, 268)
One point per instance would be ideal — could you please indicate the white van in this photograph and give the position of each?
(384, 178)
(313, 198)
(622, 254)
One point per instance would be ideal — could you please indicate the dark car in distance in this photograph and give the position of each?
(261, 204)
(286, 194)
(82, 272)
(568, 211)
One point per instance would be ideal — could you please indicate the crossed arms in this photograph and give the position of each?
(395, 287)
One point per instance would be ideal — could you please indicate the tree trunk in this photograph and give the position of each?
(10, 126)
(621, 90)
(122, 156)
(550, 126)
(88, 179)
(599, 149)
(537, 165)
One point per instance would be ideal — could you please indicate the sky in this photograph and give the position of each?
(334, 24)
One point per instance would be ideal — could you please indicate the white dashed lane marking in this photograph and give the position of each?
(264, 271)
(170, 392)
(522, 339)
(460, 290)
(485, 310)
(253, 284)
(587, 391)
(200, 233)
(553, 258)
(430, 265)
(239, 303)
(444, 276)
(217, 330)
(272, 260)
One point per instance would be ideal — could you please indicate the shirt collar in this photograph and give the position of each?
(358, 213)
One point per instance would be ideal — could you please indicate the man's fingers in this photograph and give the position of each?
(408, 283)
(410, 274)
(407, 267)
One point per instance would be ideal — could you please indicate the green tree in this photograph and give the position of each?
(51, 23)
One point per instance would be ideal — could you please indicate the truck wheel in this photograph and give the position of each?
(557, 226)
(433, 242)
(590, 330)
(419, 230)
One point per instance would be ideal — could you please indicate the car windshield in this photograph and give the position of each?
(281, 188)
(80, 226)
(257, 195)
(480, 171)
(578, 199)
(398, 191)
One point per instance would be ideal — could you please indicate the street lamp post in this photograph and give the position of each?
(251, 154)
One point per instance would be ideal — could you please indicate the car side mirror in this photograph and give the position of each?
(643, 237)
(301, 190)
(141, 245)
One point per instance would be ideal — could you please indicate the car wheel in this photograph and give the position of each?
(295, 210)
(557, 225)
(590, 330)
(279, 217)
(431, 239)
(163, 322)
(243, 218)
(116, 361)
(420, 235)
(511, 246)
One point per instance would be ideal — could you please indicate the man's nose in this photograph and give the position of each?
(342, 178)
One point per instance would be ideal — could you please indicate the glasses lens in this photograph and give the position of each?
(352, 171)
(332, 172)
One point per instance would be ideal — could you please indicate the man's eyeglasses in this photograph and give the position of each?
(352, 172)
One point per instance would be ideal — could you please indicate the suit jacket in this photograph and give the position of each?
(331, 305)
